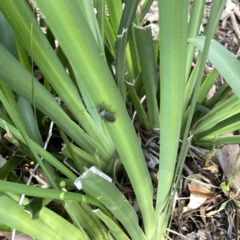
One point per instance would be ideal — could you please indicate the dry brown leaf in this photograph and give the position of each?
(212, 168)
(199, 193)
(226, 157)
(202, 214)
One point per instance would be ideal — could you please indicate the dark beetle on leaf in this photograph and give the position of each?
(106, 115)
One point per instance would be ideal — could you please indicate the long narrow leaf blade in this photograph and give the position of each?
(90, 66)
(113, 199)
(173, 48)
(227, 65)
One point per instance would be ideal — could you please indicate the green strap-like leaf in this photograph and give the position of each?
(224, 61)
